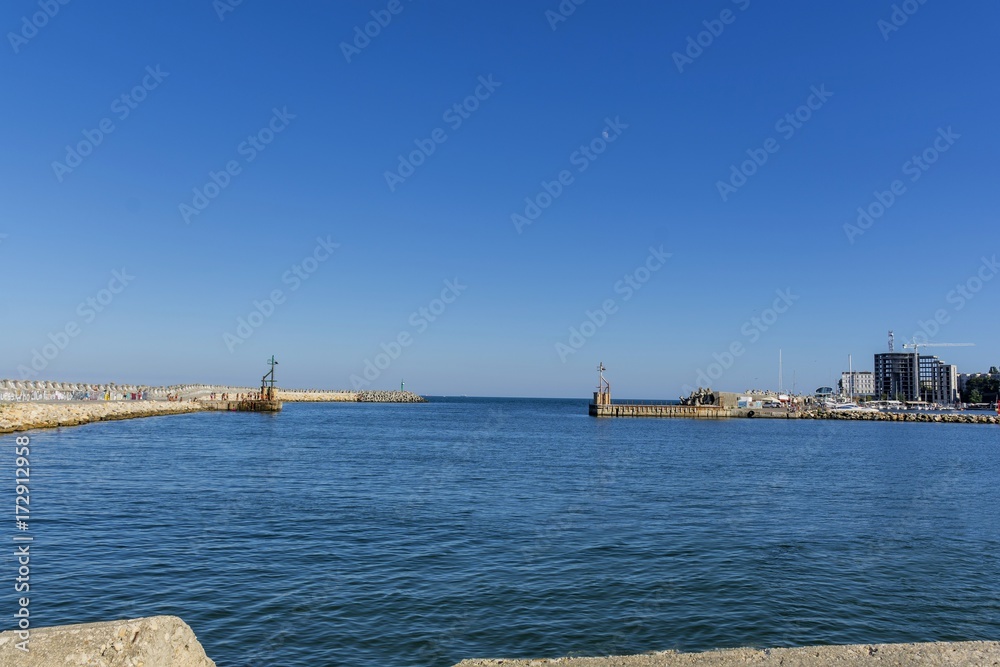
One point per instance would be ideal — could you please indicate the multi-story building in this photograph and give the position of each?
(896, 376)
(938, 381)
(904, 376)
(860, 384)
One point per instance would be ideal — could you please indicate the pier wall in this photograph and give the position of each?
(716, 412)
(243, 406)
(640, 410)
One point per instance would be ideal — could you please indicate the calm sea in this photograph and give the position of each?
(396, 535)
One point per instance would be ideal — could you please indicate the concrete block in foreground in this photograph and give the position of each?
(156, 641)
(938, 654)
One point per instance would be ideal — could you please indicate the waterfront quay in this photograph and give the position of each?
(244, 405)
(708, 404)
(636, 409)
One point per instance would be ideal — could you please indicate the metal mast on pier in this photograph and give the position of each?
(267, 382)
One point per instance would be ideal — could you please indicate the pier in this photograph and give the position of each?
(708, 404)
(244, 405)
(265, 400)
(703, 405)
(652, 410)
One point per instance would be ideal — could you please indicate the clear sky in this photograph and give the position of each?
(674, 169)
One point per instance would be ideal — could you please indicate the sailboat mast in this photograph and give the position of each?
(850, 373)
(779, 371)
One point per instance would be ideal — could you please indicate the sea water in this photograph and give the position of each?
(397, 535)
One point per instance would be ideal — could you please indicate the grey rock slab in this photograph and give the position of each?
(155, 641)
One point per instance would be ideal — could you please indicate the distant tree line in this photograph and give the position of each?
(984, 389)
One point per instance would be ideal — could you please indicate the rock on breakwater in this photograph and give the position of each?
(321, 396)
(153, 641)
(389, 397)
(860, 415)
(316, 396)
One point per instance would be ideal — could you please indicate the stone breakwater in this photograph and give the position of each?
(936, 654)
(318, 396)
(25, 416)
(29, 390)
(858, 415)
(389, 397)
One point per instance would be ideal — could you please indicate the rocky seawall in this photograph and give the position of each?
(25, 416)
(389, 397)
(316, 396)
(860, 415)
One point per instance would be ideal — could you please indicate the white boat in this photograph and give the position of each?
(850, 407)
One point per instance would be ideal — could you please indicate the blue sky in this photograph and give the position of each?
(208, 86)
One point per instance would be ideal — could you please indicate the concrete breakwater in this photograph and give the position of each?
(717, 412)
(860, 415)
(661, 410)
(24, 416)
(30, 390)
(389, 397)
(931, 654)
(318, 395)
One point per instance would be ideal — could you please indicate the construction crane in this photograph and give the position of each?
(916, 346)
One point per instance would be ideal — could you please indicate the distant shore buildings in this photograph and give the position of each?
(859, 384)
(906, 376)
